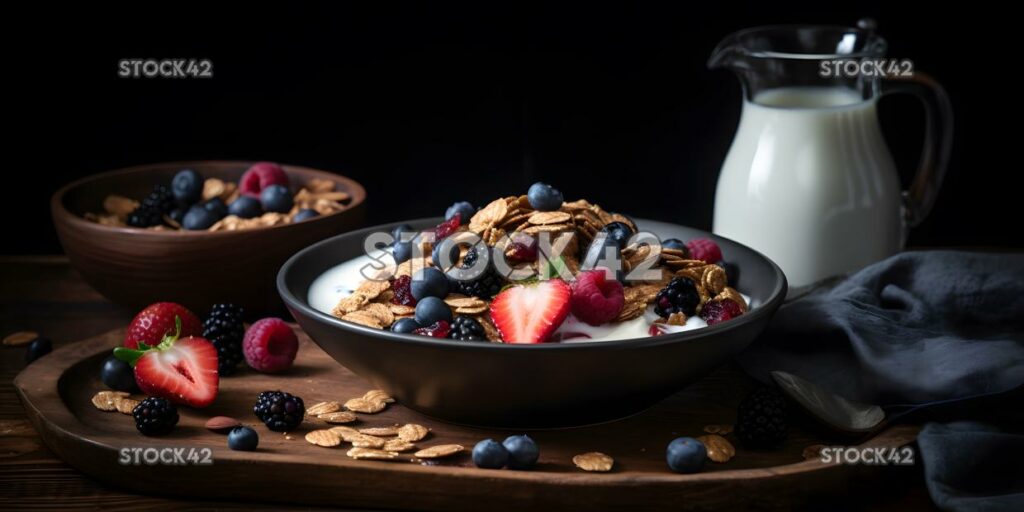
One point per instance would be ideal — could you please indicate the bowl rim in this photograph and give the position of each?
(777, 296)
(60, 213)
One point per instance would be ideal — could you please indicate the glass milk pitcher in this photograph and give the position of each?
(809, 180)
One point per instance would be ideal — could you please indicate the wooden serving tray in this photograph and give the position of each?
(56, 392)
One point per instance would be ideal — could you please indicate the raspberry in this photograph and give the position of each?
(718, 311)
(260, 176)
(438, 329)
(447, 227)
(270, 345)
(704, 249)
(596, 299)
(403, 291)
(654, 330)
(522, 249)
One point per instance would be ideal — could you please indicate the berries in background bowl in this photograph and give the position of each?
(217, 207)
(596, 299)
(152, 209)
(260, 176)
(463, 209)
(198, 218)
(396, 232)
(243, 439)
(277, 198)
(246, 207)
(404, 326)
(429, 282)
(225, 329)
(432, 309)
(453, 255)
(402, 286)
(490, 454)
(305, 214)
(39, 347)
(401, 251)
(523, 452)
(466, 328)
(279, 411)
(686, 455)
(187, 187)
(270, 345)
(761, 418)
(155, 416)
(679, 296)
(157, 320)
(704, 249)
(486, 285)
(118, 375)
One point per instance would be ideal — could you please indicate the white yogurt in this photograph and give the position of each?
(340, 281)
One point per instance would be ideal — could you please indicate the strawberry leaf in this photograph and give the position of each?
(128, 355)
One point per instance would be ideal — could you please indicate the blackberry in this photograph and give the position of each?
(465, 328)
(761, 418)
(224, 328)
(279, 411)
(153, 208)
(155, 416)
(487, 285)
(679, 296)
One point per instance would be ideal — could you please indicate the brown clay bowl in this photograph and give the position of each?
(135, 267)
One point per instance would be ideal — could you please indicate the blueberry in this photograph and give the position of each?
(198, 218)
(453, 254)
(618, 232)
(217, 207)
(276, 198)
(402, 251)
(464, 209)
(243, 438)
(246, 207)
(397, 231)
(522, 452)
(118, 375)
(404, 325)
(187, 187)
(428, 282)
(178, 214)
(544, 197)
(490, 454)
(305, 214)
(686, 455)
(673, 243)
(432, 309)
(38, 348)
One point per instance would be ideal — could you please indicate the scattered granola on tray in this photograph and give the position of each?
(535, 268)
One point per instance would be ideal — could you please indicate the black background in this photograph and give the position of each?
(428, 104)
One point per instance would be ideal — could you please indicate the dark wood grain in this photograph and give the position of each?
(45, 295)
(130, 266)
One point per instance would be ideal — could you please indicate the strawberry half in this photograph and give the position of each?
(529, 313)
(157, 320)
(181, 370)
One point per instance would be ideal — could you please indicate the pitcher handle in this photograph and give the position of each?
(938, 142)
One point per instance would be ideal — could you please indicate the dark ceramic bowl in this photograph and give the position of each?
(135, 267)
(524, 386)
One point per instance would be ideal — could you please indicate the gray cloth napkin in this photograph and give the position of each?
(919, 327)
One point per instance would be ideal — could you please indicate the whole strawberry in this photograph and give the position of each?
(182, 370)
(157, 320)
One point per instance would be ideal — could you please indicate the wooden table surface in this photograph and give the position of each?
(44, 294)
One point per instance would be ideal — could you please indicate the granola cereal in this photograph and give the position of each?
(370, 454)
(593, 461)
(439, 451)
(412, 432)
(325, 438)
(719, 448)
